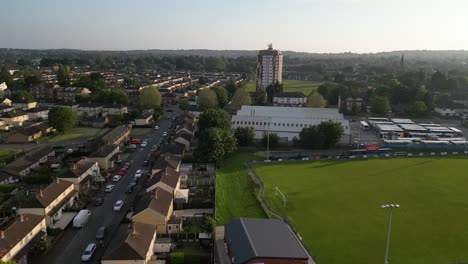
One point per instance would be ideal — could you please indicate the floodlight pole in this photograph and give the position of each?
(268, 140)
(390, 208)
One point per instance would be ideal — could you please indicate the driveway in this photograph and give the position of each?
(72, 244)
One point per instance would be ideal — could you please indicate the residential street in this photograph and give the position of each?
(72, 244)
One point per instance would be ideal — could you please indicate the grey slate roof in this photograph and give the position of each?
(252, 238)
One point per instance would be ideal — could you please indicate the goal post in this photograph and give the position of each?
(281, 195)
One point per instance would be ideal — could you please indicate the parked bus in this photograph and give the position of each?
(364, 125)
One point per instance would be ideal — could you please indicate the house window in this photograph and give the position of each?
(170, 227)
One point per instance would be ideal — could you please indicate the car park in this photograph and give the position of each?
(109, 188)
(118, 205)
(116, 178)
(101, 233)
(88, 253)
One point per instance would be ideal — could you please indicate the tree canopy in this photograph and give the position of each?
(244, 135)
(62, 118)
(379, 105)
(207, 99)
(63, 76)
(214, 118)
(241, 97)
(150, 97)
(222, 96)
(315, 99)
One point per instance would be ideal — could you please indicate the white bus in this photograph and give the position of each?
(364, 125)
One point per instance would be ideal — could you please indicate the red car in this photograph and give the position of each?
(122, 172)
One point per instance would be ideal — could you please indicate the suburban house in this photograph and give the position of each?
(117, 135)
(169, 180)
(70, 105)
(296, 99)
(155, 209)
(3, 86)
(6, 108)
(353, 104)
(114, 109)
(175, 149)
(25, 135)
(82, 174)
(37, 157)
(19, 237)
(3, 126)
(252, 240)
(51, 201)
(44, 92)
(138, 247)
(24, 104)
(38, 113)
(14, 118)
(69, 94)
(90, 109)
(94, 121)
(105, 156)
(6, 101)
(146, 119)
(184, 139)
(167, 160)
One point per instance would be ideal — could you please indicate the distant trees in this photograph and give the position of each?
(420, 108)
(272, 141)
(184, 104)
(273, 89)
(63, 76)
(231, 87)
(222, 96)
(150, 97)
(323, 136)
(23, 95)
(379, 105)
(207, 99)
(62, 118)
(6, 77)
(244, 135)
(214, 118)
(112, 96)
(241, 97)
(94, 81)
(259, 98)
(315, 99)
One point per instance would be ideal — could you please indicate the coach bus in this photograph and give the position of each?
(364, 125)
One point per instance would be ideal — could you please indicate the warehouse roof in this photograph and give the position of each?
(292, 112)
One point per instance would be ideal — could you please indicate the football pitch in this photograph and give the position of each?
(335, 205)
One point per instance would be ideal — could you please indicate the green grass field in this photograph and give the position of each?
(76, 133)
(305, 87)
(139, 132)
(235, 190)
(336, 207)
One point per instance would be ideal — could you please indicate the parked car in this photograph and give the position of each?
(116, 178)
(156, 127)
(165, 134)
(118, 161)
(99, 201)
(127, 165)
(138, 173)
(122, 172)
(129, 189)
(133, 184)
(81, 218)
(101, 233)
(118, 205)
(109, 188)
(145, 162)
(144, 144)
(89, 251)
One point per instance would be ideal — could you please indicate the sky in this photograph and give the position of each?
(321, 26)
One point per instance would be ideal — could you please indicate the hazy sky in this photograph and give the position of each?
(300, 25)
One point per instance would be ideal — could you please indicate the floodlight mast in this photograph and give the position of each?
(390, 207)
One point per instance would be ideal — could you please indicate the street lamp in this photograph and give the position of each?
(390, 208)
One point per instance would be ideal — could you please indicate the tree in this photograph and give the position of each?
(214, 144)
(420, 108)
(212, 118)
(332, 132)
(177, 257)
(439, 81)
(231, 86)
(207, 99)
(222, 96)
(184, 104)
(379, 105)
(6, 77)
(62, 118)
(23, 96)
(150, 97)
(273, 89)
(63, 76)
(31, 79)
(311, 137)
(315, 99)
(241, 97)
(259, 98)
(244, 135)
(203, 80)
(112, 96)
(273, 141)
(7, 262)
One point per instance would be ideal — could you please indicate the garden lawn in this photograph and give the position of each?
(235, 190)
(139, 132)
(77, 133)
(336, 207)
(305, 87)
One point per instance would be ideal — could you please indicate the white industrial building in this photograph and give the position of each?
(287, 122)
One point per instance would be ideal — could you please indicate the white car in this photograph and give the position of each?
(109, 188)
(165, 134)
(138, 173)
(116, 178)
(89, 251)
(156, 128)
(144, 144)
(118, 205)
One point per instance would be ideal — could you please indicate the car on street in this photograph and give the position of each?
(133, 184)
(118, 205)
(165, 134)
(127, 165)
(144, 144)
(156, 127)
(89, 251)
(138, 173)
(129, 189)
(109, 188)
(122, 172)
(101, 233)
(116, 178)
(99, 201)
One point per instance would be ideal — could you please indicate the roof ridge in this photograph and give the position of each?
(248, 236)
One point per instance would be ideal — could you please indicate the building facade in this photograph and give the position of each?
(290, 99)
(269, 67)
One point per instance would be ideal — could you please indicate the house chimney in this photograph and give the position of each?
(21, 217)
(2, 234)
(40, 192)
(57, 180)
